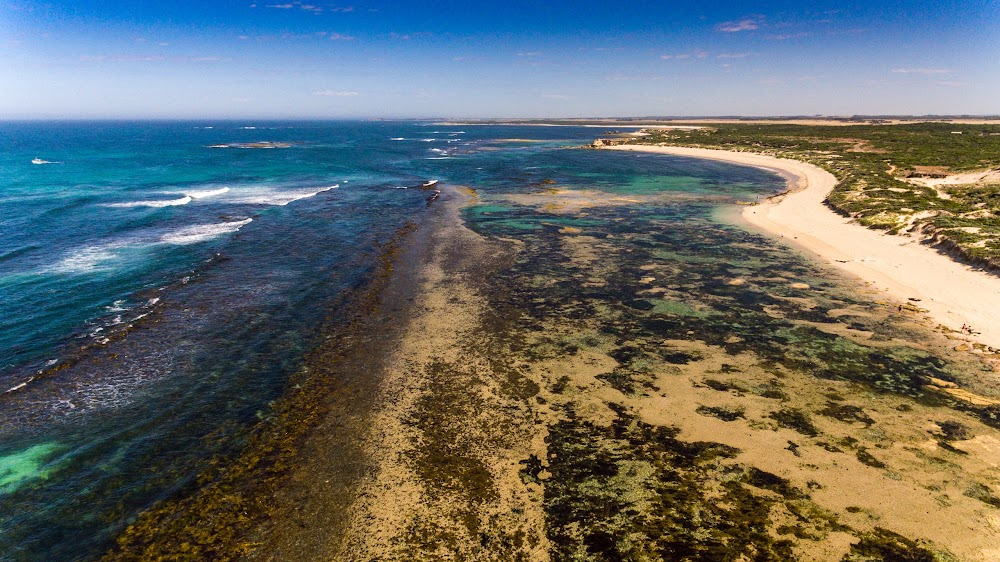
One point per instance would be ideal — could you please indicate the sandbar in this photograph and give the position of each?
(952, 294)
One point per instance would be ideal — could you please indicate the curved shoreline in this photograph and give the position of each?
(953, 294)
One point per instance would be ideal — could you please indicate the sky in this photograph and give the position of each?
(437, 58)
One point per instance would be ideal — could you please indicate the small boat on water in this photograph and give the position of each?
(38, 161)
(430, 183)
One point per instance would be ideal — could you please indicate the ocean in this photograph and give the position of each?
(161, 281)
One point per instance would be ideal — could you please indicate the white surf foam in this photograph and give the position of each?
(281, 197)
(206, 193)
(86, 260)
(156, 204)
(201, 232)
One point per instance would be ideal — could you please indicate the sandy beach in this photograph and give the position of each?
(951, 293)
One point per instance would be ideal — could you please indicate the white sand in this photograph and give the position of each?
(898, 266)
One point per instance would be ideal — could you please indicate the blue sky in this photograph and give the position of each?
(375, 58)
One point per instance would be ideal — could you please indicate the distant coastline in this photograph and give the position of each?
(952, 294)
(701, 122)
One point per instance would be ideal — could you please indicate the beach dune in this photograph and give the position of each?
(952, 294)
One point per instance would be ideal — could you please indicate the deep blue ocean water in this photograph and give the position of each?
(160, 281)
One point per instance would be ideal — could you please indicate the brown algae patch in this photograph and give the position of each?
(222, 518)
(453, 427)
(777, 418)
(612, 394)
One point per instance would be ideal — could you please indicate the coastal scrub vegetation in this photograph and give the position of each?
(939, 181)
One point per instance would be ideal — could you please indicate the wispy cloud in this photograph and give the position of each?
(408, 36)
(623, 77)
(555, 96)
(340, 37)
(732, 55)
(746, 24)
(529, 53)
(338, 94)
(952, 84)
(311, 8)
(696, 54)
(787, 36)
(923, 71)
(148, 58)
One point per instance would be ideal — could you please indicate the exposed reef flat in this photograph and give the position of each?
(626, 380)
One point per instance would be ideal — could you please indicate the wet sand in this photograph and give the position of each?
(951, 293)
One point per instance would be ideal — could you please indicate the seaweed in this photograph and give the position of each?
(884, 545)
(795, 419)
(724, 414)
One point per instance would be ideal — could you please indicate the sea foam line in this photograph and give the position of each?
(156, 204)
(201, 232)
(282, 198)
(86, 260)
(206, 193)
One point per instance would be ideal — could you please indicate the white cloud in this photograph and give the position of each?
(408, 36)
(148, 58)
(697, 53)
(746, 24)
(311, 8)
(923, 71)
(786, 36)
(340, 37)
(333, 93)
(529, 53)
(620, 77)
(732, 55)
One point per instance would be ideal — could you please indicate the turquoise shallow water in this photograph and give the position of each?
(160, 281)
